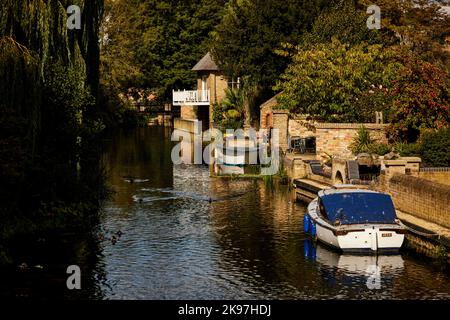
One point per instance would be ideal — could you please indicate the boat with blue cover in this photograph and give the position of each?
(354, 219)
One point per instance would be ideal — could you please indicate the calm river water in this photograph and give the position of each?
(185, 235)
(247, 243)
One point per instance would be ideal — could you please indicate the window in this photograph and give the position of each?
(235, 83)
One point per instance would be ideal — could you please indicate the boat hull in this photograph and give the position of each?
(357, 238)
(366, 239)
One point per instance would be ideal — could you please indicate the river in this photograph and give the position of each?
(172, 232)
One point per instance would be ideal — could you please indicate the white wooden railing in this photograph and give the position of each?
(191, 97)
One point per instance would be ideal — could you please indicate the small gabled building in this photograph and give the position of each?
(198, 104)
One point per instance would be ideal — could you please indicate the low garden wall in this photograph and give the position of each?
(440, 175)
(331, 138)
(422, 198)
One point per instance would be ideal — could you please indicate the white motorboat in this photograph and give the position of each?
(354, 220)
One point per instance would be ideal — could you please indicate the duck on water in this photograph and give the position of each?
(354, 220)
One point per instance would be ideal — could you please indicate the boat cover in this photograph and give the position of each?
(359, 207)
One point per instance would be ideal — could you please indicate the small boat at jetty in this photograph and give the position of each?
(354, 220)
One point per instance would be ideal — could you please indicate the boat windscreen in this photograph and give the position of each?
(359, 207)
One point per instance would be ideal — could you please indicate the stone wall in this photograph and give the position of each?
(296, 167)
(440, 175)
(336, 138)
(280, 122)
(428, 247)
(188, 112)
(419, 197)
(266, 117)
(217, 84)
(191, 126)
(221, 84)
(300, 127)
(266, 113)
(331, 138)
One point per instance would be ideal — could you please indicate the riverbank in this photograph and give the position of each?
(422, 204)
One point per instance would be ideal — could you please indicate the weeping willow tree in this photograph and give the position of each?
(49, 118)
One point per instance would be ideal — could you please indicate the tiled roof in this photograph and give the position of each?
(206, 64)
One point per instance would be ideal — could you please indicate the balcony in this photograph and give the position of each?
(191, 97)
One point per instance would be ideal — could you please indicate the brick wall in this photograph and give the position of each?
(331, 138)
(301, 128)
(336, 138)
(216, 83)
(188, 112)
(441, 175)
(280, 122)
(266, 112)
(266, 117)
(419, 197)
(221, 84)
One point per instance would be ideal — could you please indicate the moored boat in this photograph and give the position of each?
(354, 220)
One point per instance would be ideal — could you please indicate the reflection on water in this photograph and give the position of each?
(172, 232)
(189, 236)
(358, 271)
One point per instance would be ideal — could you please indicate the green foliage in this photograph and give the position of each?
(229, 114)
(269, 182)
(345, 73)
(379, 148)
(19, 116)
(416, 30)
(408, 149)
(245, 43)
(362, 141)
(120, 38)
(327, 80)
(245, 40)
(49, 119)
(435, 148)
(343, 21)
(66, 86)
(155, 43)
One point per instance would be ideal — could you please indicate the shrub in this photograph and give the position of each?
(379, 148)
(233, 114)
(362, 141)
(229, 113)
(407, 149)
(435, 148)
